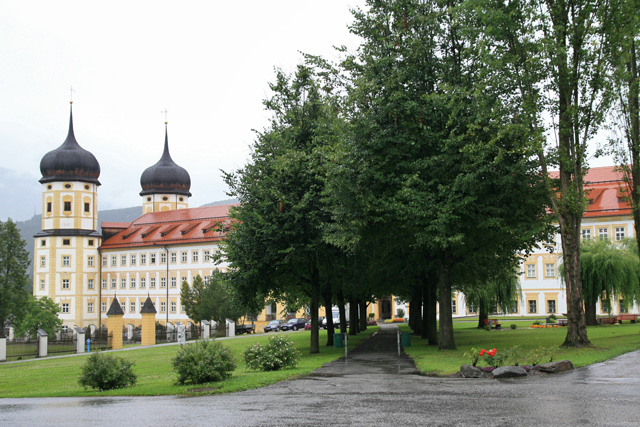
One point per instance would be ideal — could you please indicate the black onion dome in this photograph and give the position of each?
(165, 176)
(70, 162)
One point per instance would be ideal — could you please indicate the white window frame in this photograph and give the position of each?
(65, 308)
(104, 283)
(66, 284)
(143, 283)
(113, 283)
(123, 283)
(43, 261)
(89, 307)
(555, 306)
(114, 261)
(535, 306)
(123, 260)
(603, 233)
(143, 259)
(620, 233)
(152, 283)
(42, 283)
(173, 306)
(531, 271)
(586, 234)
(132, 307)
(132, 283)
(195, 255)
(163, 307)
(89, 283)
(66, 260)
(163, 282)
(89, 261)
(133, 259)
(549, 270)
(103, 307)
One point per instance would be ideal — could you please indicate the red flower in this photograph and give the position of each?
(483, 351)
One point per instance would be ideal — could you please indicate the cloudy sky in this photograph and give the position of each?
(207, 62)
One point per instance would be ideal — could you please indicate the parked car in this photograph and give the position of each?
(336, 320)
(293, 324)
(273, 326)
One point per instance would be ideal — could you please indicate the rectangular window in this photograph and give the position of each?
(123, 260)
(152, 258)
(603, 233)
(123, 283)
(514, 307)
(65, 284)
(90, 307)
(173, 257)
(184, 279)
(132, 307)
(207, 256)
(133, 259)
(43, 242)
(163, 307)
(114, 261)
(173, 306)
(104, 283)
(163, 282)
(194, 256)
(207, 279)
(48, 207)
(184, 257)
(163, 257)
(550, 270)
(472, 309)
(103, 307)
(90, 261)
(173, 282)
(453, 306)
(104, 261)
(124, 307)
(43, 261)
(67, 206)
(533, 306)
(586, 234)
(65, 307)
(90, 284)
(143, 259)
(531, 270)
(619, 233)
(41, 284)
(623, 307)
(66, 242)
(143, 283)
(133, 283)
(113, 283)
(86, 207)
(551, 306)
(90, 242)
(152, 283)
(66, 260)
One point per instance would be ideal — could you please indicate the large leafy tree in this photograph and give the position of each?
(550, 61)
(213, 300)
(439, 160)
(40, 313)
(276, 248)
(14, 262)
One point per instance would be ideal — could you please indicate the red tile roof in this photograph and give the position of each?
(182, 226)
(606, 191)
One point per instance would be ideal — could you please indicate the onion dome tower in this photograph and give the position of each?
(165, 185)
(66, 249)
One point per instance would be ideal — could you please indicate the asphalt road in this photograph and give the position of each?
(373, 387)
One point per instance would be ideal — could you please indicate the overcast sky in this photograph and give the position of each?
(207, 62)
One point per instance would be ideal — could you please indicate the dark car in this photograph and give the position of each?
(273, 326)
(293, 325)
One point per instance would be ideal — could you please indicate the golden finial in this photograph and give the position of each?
(71, 95)
(165, 115)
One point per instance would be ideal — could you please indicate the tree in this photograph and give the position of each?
(212, 300)
(40, 313)
(275, 248)
(608, 269)
(551, 60)
(14, 262)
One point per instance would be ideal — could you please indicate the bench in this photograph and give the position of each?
(493, 323)
(627, 316)
(563, 322)
(607, 320)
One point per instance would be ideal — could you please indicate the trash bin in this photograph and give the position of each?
(338, 340)
(405, 339)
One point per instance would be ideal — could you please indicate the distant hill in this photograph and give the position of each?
(32, 226)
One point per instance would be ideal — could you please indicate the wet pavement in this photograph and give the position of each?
(373, 386)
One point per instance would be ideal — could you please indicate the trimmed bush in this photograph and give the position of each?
(279, 353)
(513, 326)
(203, 362)
(107, 372)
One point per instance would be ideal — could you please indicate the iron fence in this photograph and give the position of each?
(61, 343)
(22, 348)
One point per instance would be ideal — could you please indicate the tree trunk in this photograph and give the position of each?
(483, 314)
(327, 303)
(315, 333)
(446, 341)
(353, 316)
(429, 304)
(590, 314)
(363, 315)
(342, 313)
(415, 309)
(576, 324)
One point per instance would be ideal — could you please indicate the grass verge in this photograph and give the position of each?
(608, 341)
(59, 377)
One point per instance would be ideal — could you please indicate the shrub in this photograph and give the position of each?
(279, 353)
(203, 362)
(400, 312)
(107, 372)
(513, 326)
(536, 322)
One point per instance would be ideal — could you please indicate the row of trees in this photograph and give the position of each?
(419, 164)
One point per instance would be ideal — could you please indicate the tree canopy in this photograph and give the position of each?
(14, 262)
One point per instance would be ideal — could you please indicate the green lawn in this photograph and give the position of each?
(59, 377)
(608, 341)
